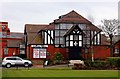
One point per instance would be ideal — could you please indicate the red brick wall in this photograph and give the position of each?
(117, 45)
(51, 49)
(101, 52)
(11, 51)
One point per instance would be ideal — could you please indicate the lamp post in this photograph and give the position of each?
(92, 45)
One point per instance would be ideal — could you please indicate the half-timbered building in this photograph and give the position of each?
(71, 34)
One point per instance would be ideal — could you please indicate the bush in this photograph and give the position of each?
(38, 62)
(113, 62)
(96, 64)
(58, 58)
(88, 64)
(99, 65)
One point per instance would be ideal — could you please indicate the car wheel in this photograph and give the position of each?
(26, 64)
(8, 65)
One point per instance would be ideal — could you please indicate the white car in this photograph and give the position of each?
(15, 61)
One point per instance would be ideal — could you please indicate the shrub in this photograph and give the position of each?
(58, 58)
(113, 61)
(95, 65)
(88, 64)
(99, 64)
(37, 62)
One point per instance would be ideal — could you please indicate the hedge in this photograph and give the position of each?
(113, 61)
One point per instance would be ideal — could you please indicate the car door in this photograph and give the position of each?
(19, 61)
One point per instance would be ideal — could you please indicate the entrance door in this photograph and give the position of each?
(75, 53)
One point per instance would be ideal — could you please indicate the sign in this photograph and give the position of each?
(39, 53)
(39, 45)
(42, 53)
(35, 53)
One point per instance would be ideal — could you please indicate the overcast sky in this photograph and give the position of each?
(18, 13)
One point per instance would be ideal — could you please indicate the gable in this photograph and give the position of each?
(74, 29)
(72, 17)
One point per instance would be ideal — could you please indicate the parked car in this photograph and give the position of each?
(15, 61)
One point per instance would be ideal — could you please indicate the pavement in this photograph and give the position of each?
(57, 66)
(41, 66)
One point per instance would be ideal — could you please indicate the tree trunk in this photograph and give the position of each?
(111, 45)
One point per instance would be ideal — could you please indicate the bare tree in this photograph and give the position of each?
(109, 27)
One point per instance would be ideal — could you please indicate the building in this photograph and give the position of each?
(71, 34)
(9, 41)
(116, 42)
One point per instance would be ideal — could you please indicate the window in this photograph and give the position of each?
(116, 50)
(5, 51)
(68, 26)
(71, 37)
(22, 51)
(62, 26)
(67, 43)
(86, 50)
(56, 32)
(75, 43)
(57, 26)
(82, 26)
(80, 37)
(18, 59)
(75, 37)
(71, 43)
(56, 40)
(67, 38)
(62, 32)
(80, 43)
(4, 34)
(61, 40)
(3, 28)
(10, 58)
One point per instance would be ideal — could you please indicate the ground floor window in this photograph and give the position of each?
(22, 51)
(116, 50)
(5, 51)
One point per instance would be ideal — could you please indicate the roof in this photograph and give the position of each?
(1, 23)
(92, 27)
(38, 27)
(116, 39)
(75, 18)
(34, 27)
(32, 32)
(16, 35)
(104, 40)
(13, 43)
(71, 17)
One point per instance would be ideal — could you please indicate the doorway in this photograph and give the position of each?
(75, 53)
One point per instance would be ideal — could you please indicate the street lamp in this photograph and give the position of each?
(92, 45)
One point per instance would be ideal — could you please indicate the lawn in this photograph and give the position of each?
(58, 73)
